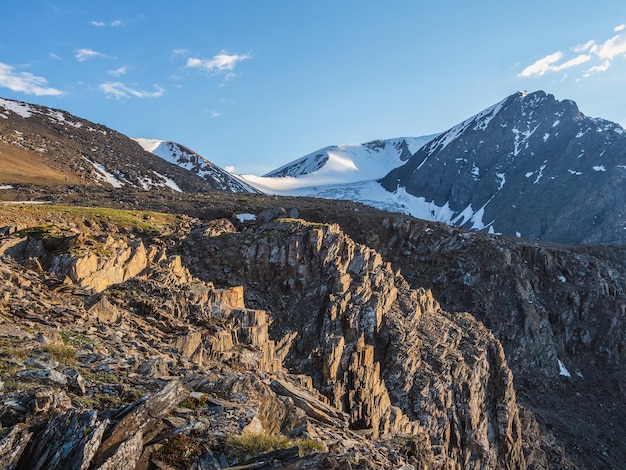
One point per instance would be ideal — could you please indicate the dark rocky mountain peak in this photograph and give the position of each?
(531, 166)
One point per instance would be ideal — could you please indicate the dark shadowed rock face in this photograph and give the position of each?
(558, 310)
(530, 166)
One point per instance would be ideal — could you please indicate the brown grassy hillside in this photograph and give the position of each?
(22, 166)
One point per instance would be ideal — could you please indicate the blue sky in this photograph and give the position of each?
(254, 84)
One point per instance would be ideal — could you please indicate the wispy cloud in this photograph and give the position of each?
(589, 46)
(25, 82)
(102, 24)
(118, 72)
(179, 52)
(543, 65)
(581, 59)
(220, 63)
(54, 56)
(603, 67)
(119, 90)
(85, 54)
(602, 53)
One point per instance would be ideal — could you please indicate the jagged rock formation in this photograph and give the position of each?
(386, 355)
(348, 353)
(558, 311)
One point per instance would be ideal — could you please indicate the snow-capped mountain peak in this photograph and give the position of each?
(188, 159)
(338, 165)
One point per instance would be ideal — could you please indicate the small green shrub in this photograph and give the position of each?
(193, 403)
(180, 451)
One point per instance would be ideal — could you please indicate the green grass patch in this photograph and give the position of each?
(147, 221)
(104, 400)
(250, 445)
(101, 376)
(61, 353)
(76, 339)
(14, 348)
(302, 222)
(46, 230)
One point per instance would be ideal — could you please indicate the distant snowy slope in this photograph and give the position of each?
(370, 192)
(338, 165)
(349, 172)
(353, 162)
(186, 158)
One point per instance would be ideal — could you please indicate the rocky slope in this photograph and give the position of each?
(530, 166)
(127, 343)
(44, 145)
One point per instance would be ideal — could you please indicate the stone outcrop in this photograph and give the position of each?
(384, 354)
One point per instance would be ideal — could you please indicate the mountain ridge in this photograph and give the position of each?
(66, 149)
(498, 169)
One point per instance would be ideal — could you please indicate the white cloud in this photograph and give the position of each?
(118, 72)
(581, 59)
(25, 82)
(613, 47)
(603, 54)
(118, 90)
(221, 62)
(230, 168)
(86, 54)
(215, 114)
(99, 24)
(116, 23)
(54, 56)
(542, 66)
